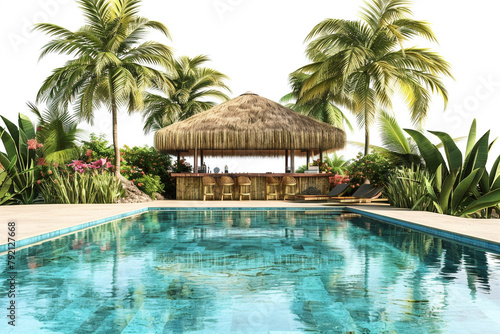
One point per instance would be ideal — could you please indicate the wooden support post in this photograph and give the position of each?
(178, 158)
(201, 158)
(308, 155)
(195, 164)
(292, 162)
(286, 160)
(320, 155)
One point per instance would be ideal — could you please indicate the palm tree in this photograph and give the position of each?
(398, 148)
(58, 131)
(192, 88)
(321, 109)
(111, 67)
(366, 61)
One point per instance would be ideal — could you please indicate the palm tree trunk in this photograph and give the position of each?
(115, 139)
(114, 112)
(367, 139)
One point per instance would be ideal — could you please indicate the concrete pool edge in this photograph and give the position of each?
(461, 230)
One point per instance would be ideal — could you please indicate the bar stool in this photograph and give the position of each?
(244, 183)
(208, 187)
(272, 187)
(226, 181)
(290, 183)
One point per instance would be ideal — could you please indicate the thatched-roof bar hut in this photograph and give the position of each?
(249, 125)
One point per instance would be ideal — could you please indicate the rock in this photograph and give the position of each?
(158, 197)
(132, 193)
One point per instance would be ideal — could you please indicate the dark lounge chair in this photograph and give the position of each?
(366, 193)
(337, 191)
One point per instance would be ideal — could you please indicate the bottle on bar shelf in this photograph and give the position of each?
(226, 169)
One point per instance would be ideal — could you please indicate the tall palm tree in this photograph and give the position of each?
(321, 109)
(192, 88)
(366, 61)
(112, 67)
(58, 131)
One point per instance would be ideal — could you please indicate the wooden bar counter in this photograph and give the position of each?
(190, 186)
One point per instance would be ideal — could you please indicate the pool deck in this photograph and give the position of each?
(39, 219)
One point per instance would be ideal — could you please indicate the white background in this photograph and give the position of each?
(257, 44)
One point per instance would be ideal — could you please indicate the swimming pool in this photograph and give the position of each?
(256, 271)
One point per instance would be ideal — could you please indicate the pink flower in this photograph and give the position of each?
(39, 146)
(108, 165)
(38, 182)
(99, 163)
(32, 144)
(89, 153)
(78, 166)
(41, 162)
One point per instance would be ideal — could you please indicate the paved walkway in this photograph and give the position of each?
(34, 220)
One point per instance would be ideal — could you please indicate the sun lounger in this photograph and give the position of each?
(337, 191)
(364, 194)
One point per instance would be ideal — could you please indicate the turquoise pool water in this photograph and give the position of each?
(253, 272)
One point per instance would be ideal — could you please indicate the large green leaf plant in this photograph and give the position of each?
(5, 184)
(461, 185)
(18, 160)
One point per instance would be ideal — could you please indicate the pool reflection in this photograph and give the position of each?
(255, 271)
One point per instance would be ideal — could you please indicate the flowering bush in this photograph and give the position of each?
(149, 168)
(182, 167)
(80, 166)
(96, 148)
(338, 179)
(373, 167)
(34, 145)
(150, 184)
(79, 183)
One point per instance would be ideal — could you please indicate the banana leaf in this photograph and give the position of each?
(453, 154)
(464, 187)
(491, 199)
(429, 151)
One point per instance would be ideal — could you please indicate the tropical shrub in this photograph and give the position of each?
(150, 184)
(301, 169)
(334, 164)
(461, 185)
(80, 183)
(372, 167)
(147, 168)
(406, 188)
(182, 167)
(96, 148)
(5, 184)
(155, 169)
(19, 157)
(337, 164)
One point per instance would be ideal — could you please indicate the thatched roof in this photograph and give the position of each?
(249, 125)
